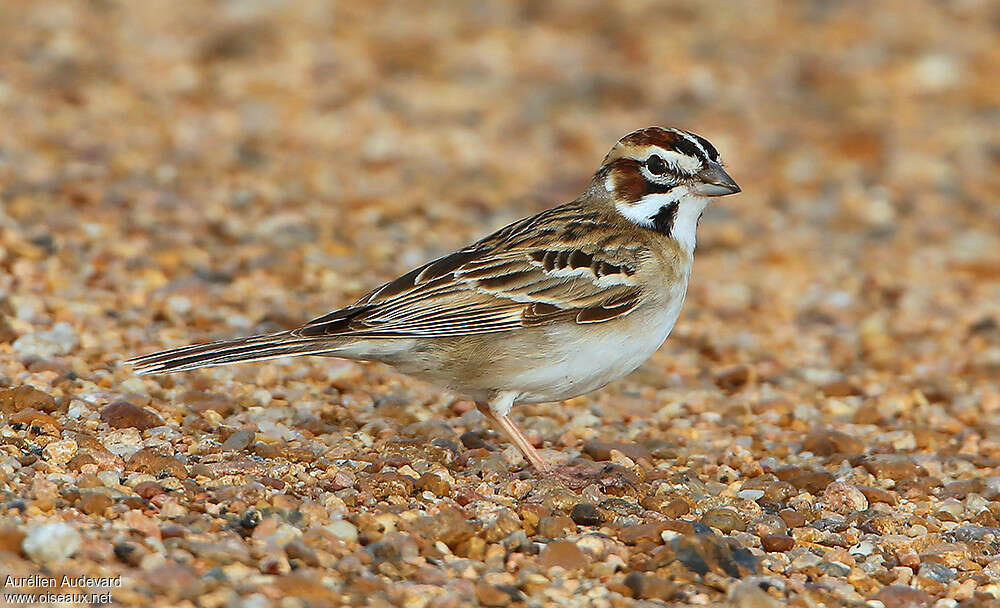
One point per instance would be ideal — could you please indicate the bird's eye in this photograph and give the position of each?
(656, 165)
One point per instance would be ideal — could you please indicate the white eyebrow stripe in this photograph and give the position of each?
(693, 140)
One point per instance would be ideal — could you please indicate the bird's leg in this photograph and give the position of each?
(498, 412)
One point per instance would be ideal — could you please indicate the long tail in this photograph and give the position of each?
(254, 348)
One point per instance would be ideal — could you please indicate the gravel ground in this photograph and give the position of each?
(820, 430)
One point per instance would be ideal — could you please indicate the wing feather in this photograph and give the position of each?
(530, 273)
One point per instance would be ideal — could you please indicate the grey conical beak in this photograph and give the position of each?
(714, 182)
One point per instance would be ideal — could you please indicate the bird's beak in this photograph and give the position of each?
(715, 182)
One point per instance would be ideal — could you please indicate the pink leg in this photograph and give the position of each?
(505, 424)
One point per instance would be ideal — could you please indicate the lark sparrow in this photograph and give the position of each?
(550, 307)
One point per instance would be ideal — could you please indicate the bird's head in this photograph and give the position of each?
(662, 178)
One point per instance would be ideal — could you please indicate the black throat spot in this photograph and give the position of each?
(663, 221)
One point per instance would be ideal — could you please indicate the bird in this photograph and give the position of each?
(547, 308)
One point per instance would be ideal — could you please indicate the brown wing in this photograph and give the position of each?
(533, 272)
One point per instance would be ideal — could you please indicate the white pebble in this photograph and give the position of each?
(343, 530)
(59, 340)
(51, 542)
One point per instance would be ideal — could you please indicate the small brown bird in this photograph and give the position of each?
(547, 308)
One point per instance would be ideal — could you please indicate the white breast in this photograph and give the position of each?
(588, 360)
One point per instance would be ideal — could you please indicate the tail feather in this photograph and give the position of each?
(254, 348)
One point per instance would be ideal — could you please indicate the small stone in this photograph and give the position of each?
(748, 594)
(123, 415)
(827, 442)
(473, 440)
(806, 560)
(435, 484)
(60, 452)
(792, 518)
(556, 526)
(385, 485)
(586, 514)
(844, 498)
(777, 542)
(60, 340)
(873, 495)
(7, 333)
(240, 440)
(813, 482)
(649, 587)
(394, 548)
(962, 488)
(148, 489)
(201, 402)
(651, 532)
(51, 542)
(890, 466)
(836, 569)
(564, 554)
(936, 572)
(148, 461)
(726, 520)
(734, 378)
(767, 524)
(601, 450)
(701, 553)
(491, 595)
(11, 539)
(505, 523)
(343, 530)
(899, 596)
(25, 397)
(449, 525)
(94, 503)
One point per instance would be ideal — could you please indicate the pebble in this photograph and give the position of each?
(649, 587)
(449, 525)
(95, 503)
(556, 526)
(491, 595)
(836, 569)
(60, 452)
(702, 553)
(890, 466)
(844, 498)
(122, 415)
(936, 572)
(50, 543)
(240, 440)
(726, 520)
(601, 450)
(343, 530)
(777, 542)
(394, 548)
(899, 596)
(24, 398)
(147, 460)
(806, 560)
(828, 442)
(586, 514)
(564, 554)
(435, 484)
(748, 594)
(60, 340)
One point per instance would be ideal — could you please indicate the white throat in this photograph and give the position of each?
(685, 219)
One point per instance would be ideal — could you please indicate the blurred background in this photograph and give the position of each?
(218, 167)
(173, 172)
